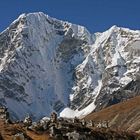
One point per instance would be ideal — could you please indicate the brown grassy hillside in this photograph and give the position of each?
(7, 132)
(125, 115)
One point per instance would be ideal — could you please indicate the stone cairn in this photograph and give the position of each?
(69, 129)
(4, 114)
(53, 117)
(27, 121)
(19, 136)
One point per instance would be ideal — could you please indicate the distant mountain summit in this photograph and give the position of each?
(51, 65)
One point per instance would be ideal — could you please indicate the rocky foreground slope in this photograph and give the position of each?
(18, 131)
(50, 65)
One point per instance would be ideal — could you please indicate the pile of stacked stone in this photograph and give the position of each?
(27, 121)
(64, 128)
(103, 124)
(4, 114)
(70, 129)
(19, 136)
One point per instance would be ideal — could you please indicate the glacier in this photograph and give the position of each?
(51, 65)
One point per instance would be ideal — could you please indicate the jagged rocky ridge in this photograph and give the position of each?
(47, 64)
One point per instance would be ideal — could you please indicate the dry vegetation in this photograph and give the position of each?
(124, 120)
(125, 115)
(8, 131)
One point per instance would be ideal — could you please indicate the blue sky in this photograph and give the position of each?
(96, 15)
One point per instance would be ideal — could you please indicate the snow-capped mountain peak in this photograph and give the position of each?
(52, 65)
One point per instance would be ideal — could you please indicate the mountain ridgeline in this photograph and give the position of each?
(51, 65)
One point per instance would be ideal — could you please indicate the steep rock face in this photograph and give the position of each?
(110, 72)
(38, 57)
(47, 64)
